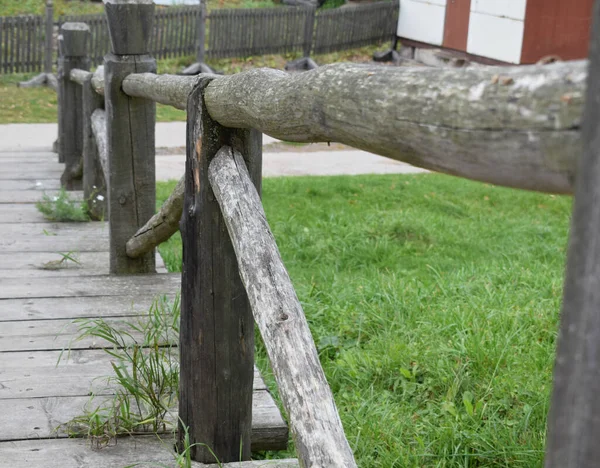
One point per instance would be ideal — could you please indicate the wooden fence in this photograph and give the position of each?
(21, 44)
(24, 40)
(356, 26)
(518, 127)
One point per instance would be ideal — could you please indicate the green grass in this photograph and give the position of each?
(433, 302)
(63, 208)
(76, 7)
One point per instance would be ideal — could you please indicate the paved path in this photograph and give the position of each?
(39, 137)
(37, 309)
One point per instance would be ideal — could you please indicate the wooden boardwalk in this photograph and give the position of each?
(37, 307)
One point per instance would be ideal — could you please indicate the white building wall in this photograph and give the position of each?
(496, 29)
(422, 20)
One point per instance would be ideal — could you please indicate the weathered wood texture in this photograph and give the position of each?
(89, 286)
(131, 137)
(216, 370)
(130, 25)
(98, 120)
(35, 374)
(161, 226)
(33, 418)
(201, 49)
(78, 307)
(516, 126)
(74, 38)
(574, 421)
(94, 151)
(145, 452)
(36, 81)
(52, 81)
(49, 37)
(171, 90)
(98, 80)
(79, 76)
(316, 425)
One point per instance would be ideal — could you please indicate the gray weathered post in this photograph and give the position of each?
(130, 131)
(309, 29)
(217, 329)
(201, 33)
(73, 54)
(94, 185)
(574, 420)
(49, 39)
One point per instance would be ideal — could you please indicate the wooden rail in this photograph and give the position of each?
(316, 425)
(515, 126)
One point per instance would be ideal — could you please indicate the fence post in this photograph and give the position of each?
(130, 131)
(49, 39)
(73, 54)
(309, 30)
(201, 33)
(217, 328)
(94, 185)
(574, 419)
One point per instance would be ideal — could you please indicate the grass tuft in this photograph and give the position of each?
(145, 378)
(63, 208)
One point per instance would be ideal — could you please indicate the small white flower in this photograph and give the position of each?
(100, 197)
(54, 198)
(93, 186)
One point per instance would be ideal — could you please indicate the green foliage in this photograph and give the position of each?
(434, 304)
(63, 208)
(145, 378)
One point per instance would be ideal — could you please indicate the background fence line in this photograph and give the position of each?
(231, 33)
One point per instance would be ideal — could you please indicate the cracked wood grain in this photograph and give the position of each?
(161, 226)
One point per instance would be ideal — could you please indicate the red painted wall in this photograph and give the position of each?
(456, 27)
(556, 27)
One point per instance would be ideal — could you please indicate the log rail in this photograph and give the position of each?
(512, 126)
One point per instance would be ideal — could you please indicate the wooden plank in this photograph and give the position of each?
(71, 243)
(31, 183)
(12, 170)
(39, 418)
(37, 374)
(78, 307)
(143, 452)
(88, 286)
(31, 196)
(36, 230)
(46, 264)
(19, 214)
(47, 335)
(26, 157)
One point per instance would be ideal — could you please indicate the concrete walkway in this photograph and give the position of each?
(171, 136)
